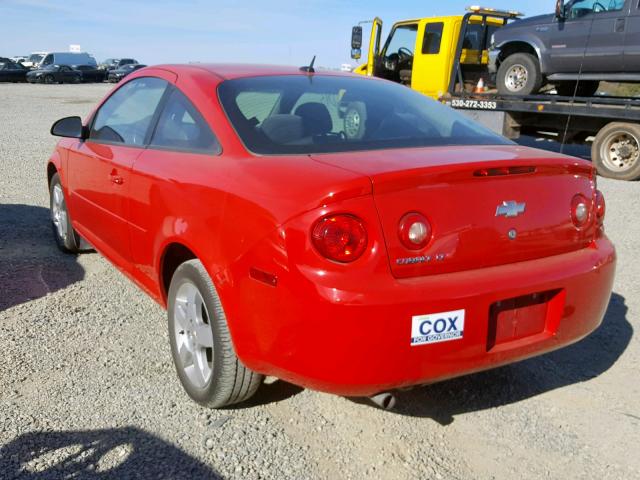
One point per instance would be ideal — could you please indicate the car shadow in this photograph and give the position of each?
(577, 363)
(31, 265)
(98, 454)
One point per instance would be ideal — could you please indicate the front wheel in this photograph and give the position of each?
(616, 151)
(49, 79)
(519, 74)
(65, 236)
(201, 344)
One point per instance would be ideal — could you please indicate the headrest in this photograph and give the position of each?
(282, 128)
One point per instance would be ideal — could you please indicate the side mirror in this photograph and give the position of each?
(70, 127)
(560, 15)
(356, 38)
(356, 42)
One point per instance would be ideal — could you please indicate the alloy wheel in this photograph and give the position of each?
(193, 334)
(59, 214)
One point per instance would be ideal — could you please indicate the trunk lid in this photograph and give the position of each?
(459, 190)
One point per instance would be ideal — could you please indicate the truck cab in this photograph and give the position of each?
(424, 53)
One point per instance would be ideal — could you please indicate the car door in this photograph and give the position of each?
(632, 40)
(605, 46)
(168, 183)
(99, 168)
(565, 39)
(398, 52)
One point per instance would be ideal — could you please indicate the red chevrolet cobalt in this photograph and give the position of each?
(341, 233)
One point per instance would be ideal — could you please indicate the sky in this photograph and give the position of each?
(285, 32)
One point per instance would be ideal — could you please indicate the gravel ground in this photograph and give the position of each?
(88, 390)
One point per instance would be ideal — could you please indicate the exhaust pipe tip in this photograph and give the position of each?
(384, 400)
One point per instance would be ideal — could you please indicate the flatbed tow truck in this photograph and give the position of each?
(449, 63)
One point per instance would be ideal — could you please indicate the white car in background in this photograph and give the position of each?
(34, 59)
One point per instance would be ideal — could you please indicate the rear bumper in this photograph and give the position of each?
(357, 342)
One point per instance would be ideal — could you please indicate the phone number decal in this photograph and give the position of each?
(474, 104)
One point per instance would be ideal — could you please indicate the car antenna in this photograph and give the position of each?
(310, 68)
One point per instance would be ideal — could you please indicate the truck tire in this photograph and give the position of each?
(616, 151)
(201, 345)
(519, 74)
(586, 88)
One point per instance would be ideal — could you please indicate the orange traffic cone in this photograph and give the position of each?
(479, 86)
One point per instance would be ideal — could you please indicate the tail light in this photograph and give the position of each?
(415, 231)
(600, 208)
(342, 238)
(579, 211)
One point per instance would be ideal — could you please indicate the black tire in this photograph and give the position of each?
(67, 239)
(616, 151)
(49, 79)
(229, 381)
(586, 88)
(529, 83)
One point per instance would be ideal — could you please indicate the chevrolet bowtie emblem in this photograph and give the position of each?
(510, 209)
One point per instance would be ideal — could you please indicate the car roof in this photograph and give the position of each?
(228, 71)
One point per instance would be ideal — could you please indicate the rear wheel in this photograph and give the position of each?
(65, 236)
(519, 74)
(585, 88)
(616, 151)
(201, 345)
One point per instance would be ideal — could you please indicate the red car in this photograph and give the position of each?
(342, 233)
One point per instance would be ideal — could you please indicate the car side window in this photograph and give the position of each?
(127, 114)
(584, 7)
(432, 38)
(181, 127)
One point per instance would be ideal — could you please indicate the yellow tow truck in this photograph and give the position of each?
(434, 55)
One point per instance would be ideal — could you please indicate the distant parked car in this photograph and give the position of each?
(90, 73)
(116, 75)
(11, 71)
(34, 59)
(68, 58)
(109, 64)
(20, 58)
(54, 74)
(125, 61)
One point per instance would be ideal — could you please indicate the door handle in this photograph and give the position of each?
(620, 25)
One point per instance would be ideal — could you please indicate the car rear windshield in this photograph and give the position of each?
(300, 114)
